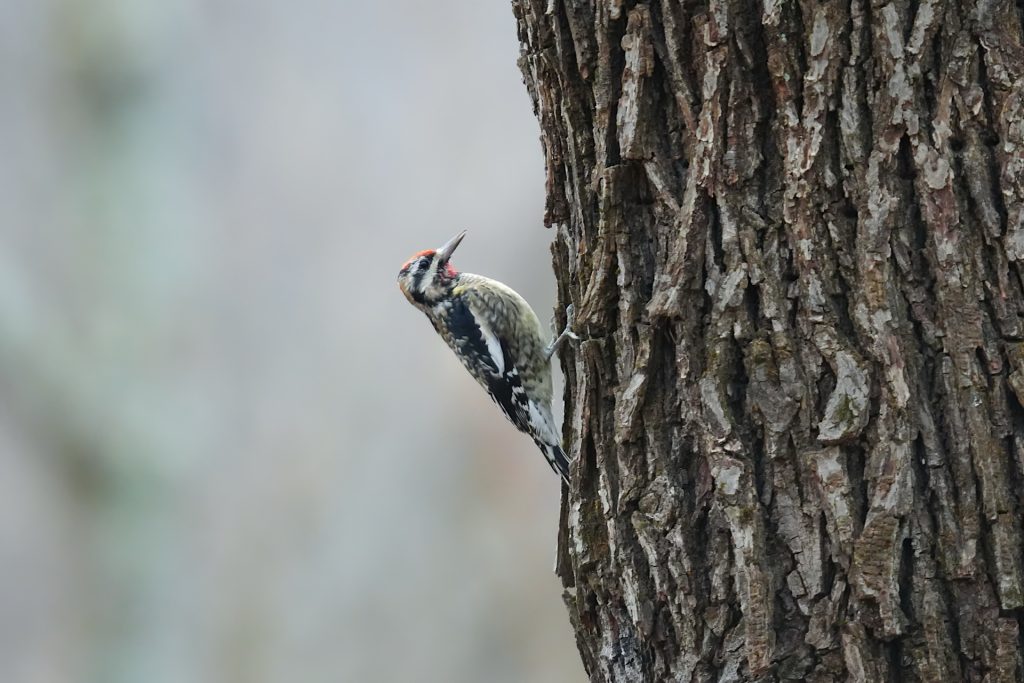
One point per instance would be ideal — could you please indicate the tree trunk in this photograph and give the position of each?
(793, 233)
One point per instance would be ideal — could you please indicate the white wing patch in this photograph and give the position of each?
(493, 345)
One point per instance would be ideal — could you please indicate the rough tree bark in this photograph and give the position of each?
(793, 233)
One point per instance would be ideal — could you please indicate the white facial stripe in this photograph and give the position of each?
(429, 282)
(420, 281)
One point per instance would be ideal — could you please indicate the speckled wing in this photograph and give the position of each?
(488, 359)
(518, 328)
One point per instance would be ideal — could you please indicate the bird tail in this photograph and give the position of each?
(556, 457)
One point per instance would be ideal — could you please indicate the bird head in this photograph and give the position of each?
(427, 277)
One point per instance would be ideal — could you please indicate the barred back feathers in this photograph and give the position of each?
(497, 337)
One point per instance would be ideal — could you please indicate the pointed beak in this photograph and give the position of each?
(444, 253)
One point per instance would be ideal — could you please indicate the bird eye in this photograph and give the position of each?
(423, 263)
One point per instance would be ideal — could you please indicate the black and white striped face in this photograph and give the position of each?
(427, 277)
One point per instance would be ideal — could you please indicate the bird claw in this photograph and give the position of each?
(567, 333)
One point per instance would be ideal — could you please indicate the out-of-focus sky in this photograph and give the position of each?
(230, 451)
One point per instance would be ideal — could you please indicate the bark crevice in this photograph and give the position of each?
(792, 232)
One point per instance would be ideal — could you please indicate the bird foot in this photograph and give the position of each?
(567, 333)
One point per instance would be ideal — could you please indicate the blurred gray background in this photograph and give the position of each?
(230, 451)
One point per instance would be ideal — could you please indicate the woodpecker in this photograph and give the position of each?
(496, 336)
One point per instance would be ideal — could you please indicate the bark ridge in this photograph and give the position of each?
(793, 233)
